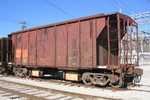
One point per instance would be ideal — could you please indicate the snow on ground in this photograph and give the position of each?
(146, 75)
(145, 80)
(141, 93)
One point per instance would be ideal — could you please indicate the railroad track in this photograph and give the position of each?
(14, 90)
(80, 84)
(29, 92)
(5, 95)
(70, 83)
(62, 87)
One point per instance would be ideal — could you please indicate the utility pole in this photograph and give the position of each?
(23, 25)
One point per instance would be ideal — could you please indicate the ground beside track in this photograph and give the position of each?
(40, 93)
(141, 92)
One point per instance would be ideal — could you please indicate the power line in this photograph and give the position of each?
(51, 4)
(8, 21)
(128, 6)
(122, 7)
(113, 5)
(15, 22)
(10, 17)
(148, 4)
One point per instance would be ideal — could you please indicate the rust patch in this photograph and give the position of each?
(18, 53)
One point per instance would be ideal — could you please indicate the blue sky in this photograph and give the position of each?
(41, 12)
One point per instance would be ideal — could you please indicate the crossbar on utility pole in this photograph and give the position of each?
(23, 25)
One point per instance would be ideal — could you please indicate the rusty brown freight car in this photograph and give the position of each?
(5, 54)
(88, 47)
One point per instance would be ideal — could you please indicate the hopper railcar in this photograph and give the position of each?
(87, 49)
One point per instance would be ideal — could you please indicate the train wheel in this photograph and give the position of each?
(118, 83)
(22, 72)
(87, 78)
(16, 72)
(28, 73)
(41, 73)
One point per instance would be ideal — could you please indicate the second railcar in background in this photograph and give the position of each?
(5, 54)
(87, 49)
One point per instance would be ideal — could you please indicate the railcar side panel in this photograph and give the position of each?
(40, 47)
(32, 48)
(10, 52)
(5, 55)
(102, 41)
(86, 44)
(13, 37)
(3, 51)
(61, 46)
(100, 24)
(18, 49)
(73, 45)
(50, 47)
(24, 41)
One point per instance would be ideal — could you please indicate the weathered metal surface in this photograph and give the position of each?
(119, 39)
(24, 42)
(127, 38)
(99, 40)
(108, 34)
(32, 48)
(61, 46)
(13, 38)
(46, 47)
(50, 47)
(73, 45)
(86, 44)
(18, 49)
(9, 50)
(131, 43)
(79, 43)
(41, 47)
(5, 53)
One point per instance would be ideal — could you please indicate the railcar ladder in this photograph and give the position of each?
(113, 40)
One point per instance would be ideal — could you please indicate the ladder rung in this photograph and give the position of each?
(113, 21)
(114, 49)
(114, 40)
(113, 30)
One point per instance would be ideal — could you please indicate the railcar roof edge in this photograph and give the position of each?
(3, 38)
(70, 21)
